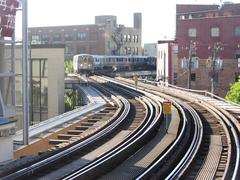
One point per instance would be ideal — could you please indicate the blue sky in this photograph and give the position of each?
(158, 15)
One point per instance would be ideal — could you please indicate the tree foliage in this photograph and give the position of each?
(234, 93)
(68, 66)
(72, 99)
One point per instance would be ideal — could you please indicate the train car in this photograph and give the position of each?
(83, 64)
(115, 62)
(151, 62)
(137, 62)
(98, 61)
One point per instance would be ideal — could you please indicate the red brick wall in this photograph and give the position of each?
(227, 36)
(229, 41)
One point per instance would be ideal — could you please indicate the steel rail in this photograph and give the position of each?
(188, 157)
(163, 157)
(194, 147)
(232, 123)
(235, 133)
(119, 150)
(48, 161)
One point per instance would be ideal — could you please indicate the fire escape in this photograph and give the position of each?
(117, 39)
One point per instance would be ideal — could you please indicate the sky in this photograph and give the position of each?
(158, 16)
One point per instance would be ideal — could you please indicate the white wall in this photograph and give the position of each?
(162, 61)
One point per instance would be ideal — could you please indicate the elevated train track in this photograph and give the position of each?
(228, 132)
(202, 136)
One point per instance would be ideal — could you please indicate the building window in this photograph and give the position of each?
(35, 38)
(125, 38)
(182, 17)
(192, 32)
(39, 81)
(193, 76)
(128, 50)
(237, 31)
(68, 37)
(215, 32)
(57, 37)
(136, 50)
(129, 38)
(238, 59)
(136, 38)
(45, 37)
(133, 38)
(81, 36)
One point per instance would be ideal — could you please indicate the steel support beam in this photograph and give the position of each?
(25, 68)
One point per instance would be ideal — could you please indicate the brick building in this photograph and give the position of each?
(105, 37)
(215, 31)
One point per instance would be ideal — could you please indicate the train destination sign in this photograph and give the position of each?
(7, 17)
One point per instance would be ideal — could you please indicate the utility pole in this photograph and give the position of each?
(215, 55)
(192, 53)
(164, 68)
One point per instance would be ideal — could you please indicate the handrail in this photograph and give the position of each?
(204, 92)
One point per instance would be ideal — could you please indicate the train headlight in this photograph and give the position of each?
(81, 65)
(89, 65)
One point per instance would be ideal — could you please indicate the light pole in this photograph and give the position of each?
(192, 52)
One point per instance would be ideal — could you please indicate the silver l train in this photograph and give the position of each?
(86, 63)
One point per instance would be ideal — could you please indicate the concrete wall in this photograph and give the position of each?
(6, 147)
(55, 60)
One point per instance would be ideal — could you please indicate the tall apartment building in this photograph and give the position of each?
(215, 32)
(105, 37)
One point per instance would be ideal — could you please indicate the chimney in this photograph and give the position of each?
(137, 20)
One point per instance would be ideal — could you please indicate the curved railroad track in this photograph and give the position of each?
(202, 141)
(218, 155)
(42, 168)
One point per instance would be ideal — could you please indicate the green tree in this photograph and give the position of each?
(234, 93)
(72, 99)
(68, 66)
